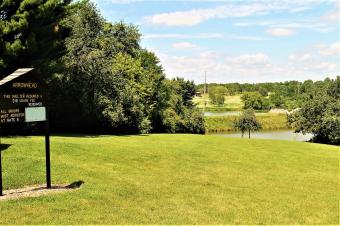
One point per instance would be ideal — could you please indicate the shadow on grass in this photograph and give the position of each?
(3, 147)
(38, 190)
(76, 135)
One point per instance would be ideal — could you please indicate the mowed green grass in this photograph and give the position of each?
(174, 179)
(230, 103)
(269, 121)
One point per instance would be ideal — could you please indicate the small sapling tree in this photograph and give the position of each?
(247, 122)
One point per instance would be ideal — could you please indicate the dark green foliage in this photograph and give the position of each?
(120, 38)
(217, 93)
(320, 113)
(276, 100)
(253, 100)
(289, 95)
(181, 115)
(30, 34)
(247, 122)
(110, 83)
(263, 91)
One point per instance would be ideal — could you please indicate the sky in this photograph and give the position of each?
(236, 41)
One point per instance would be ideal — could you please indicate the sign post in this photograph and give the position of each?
(22, 99)
(48, 158)
(1, 193)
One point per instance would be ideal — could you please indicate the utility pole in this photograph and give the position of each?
(205, 90)
(205, 83)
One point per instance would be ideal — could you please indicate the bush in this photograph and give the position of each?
(320, 114)
(217, 93)
(191, 121)
(253, 100)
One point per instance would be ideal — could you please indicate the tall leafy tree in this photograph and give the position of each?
(217, 94)
(108, 82)
(30, 33)
(121, 38)
(253, 100)
(320, 113)
(84, 65)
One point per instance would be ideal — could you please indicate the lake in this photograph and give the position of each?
(273, 135)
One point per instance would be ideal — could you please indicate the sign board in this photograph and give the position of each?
(18, 91)
(22, 99)
(35, 114)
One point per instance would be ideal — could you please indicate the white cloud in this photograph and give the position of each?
(247, 38)
(219, 68)
(280, 32)
(319, 26)
(186, 18)
(247, 67)
(184, 45)
(300, 57)
(324, 24)
(205, 36)
(232, 9)
(183, 36)
(324, 66)
(248, 59)
(333, 15)
(333, 49)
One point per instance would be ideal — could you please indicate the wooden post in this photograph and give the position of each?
(1, 193)
(48, 158)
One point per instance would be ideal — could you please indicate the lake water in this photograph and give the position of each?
(273, 135)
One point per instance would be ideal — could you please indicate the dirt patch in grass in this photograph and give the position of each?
(38, 190)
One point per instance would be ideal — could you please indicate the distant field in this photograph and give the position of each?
(216, 124)
(231, 103)
(174, 179)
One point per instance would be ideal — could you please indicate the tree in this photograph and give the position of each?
(30, 33)
(85, 68)
(181, 116)
(263, 91)
(109, 83)
(253, 100)
(103, 81)
(247, 122)
(121, 38)
(320, 113)
(276, 100)
(217, 93)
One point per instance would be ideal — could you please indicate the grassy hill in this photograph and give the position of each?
(174, 179)
(219, 124)
(231, 103)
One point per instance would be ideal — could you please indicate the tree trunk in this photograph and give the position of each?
(249, 133)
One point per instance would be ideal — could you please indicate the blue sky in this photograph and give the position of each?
(237, 41)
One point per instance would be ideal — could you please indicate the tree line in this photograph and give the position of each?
(315, 105)
(100, 79)
(263, 96)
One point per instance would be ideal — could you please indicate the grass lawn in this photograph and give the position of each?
(218, 124)
(230, 103)
(174, 179)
